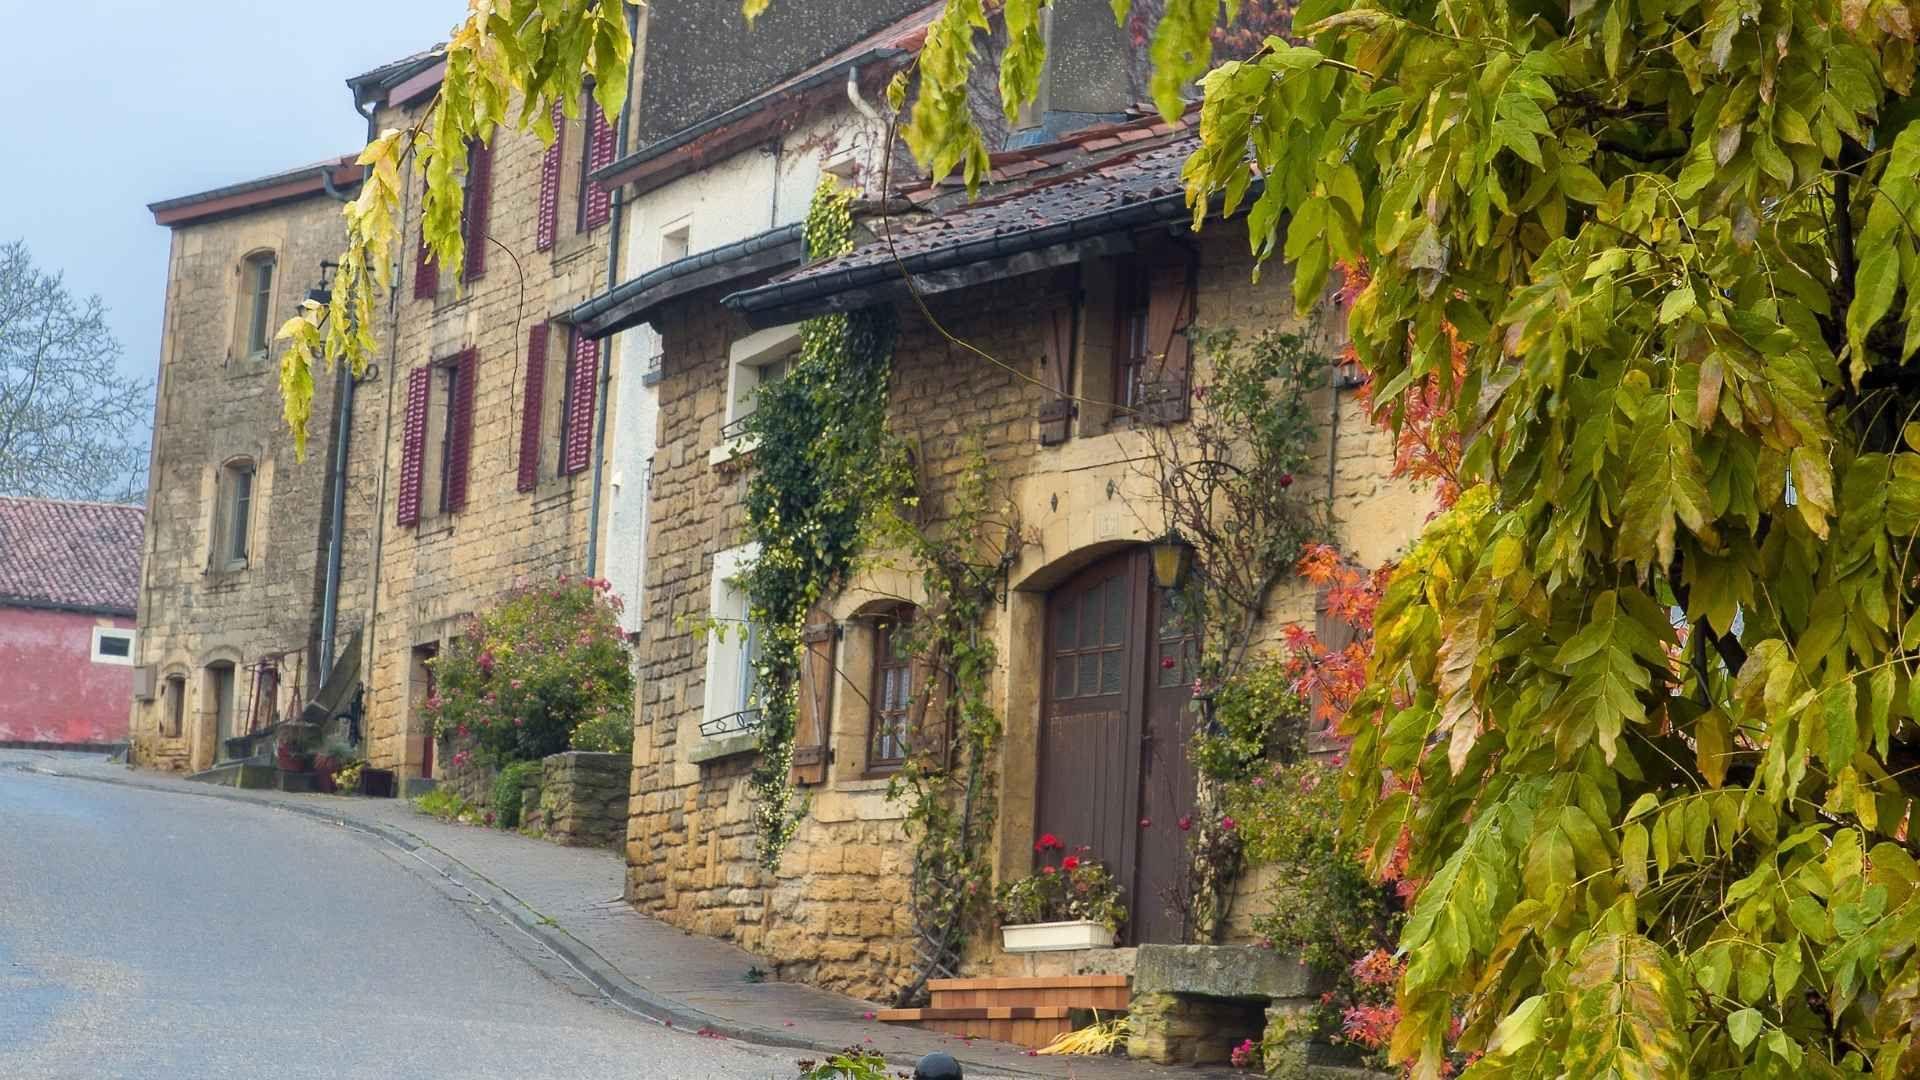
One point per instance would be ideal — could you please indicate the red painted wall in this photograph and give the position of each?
(51, 691)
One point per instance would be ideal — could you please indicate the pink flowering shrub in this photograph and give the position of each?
(547, 670)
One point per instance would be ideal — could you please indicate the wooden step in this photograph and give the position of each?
(1108, 993)
(1029, 1026)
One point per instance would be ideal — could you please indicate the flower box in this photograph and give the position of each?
(1055, 936)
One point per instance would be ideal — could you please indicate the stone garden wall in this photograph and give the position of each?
(580, 800)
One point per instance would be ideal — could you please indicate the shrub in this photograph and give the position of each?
(445, 804)
(531, 672)
(1077, 887)
(1255, 713)
(507, 789)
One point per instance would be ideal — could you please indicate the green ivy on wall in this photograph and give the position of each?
(821, 466)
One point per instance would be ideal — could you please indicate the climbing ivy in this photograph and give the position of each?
(819, 469)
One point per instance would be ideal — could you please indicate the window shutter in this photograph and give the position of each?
(1164, 382)
(413, 444)
(479, 202)
(533, 407)
(579, 419)
(598, 206)
(460, 442)
(547, 229)
(814, 722)
(426, 272)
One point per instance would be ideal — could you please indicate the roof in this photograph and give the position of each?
(632, 302)
(1102, 180)
(780, 106)
(280, 187)
(71, 556)
(398, 71)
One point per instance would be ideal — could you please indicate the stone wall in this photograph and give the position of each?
(835, 913)
(216, 405)
(433, 576)
(579, 799)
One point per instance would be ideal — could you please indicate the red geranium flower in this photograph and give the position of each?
(1047, 870)
(1071, 862)
(1047, 840)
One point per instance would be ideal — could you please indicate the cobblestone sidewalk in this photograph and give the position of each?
(569, 899)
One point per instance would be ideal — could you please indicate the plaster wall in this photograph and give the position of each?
(56, 692)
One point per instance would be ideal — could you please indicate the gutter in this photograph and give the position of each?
(596, 318)
(798, 291)
(613, 274)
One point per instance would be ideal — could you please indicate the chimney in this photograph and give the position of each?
(1089, 77)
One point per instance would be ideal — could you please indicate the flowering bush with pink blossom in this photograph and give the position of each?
(547, 670)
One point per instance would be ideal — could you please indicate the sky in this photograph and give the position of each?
(109, 105)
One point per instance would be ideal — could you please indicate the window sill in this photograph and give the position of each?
(555, 491)
(569, 248)
(872, 781)
(733, 451)
(724, 746)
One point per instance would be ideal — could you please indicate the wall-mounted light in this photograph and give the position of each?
(1172, 560)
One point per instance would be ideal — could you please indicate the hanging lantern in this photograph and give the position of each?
(1172, 560)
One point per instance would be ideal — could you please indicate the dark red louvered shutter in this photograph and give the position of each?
(479, 203)
(597, 206)
(586, 372)
(413, 444)
(466, 368)
(532, 407)
(1164, 389)
(426, 272)
(547, 228)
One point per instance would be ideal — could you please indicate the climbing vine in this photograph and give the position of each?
(821, 466)
(947, 782)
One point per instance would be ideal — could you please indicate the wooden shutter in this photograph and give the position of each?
(460, 434)
(1164, 382)
(479, 204)
(533, 407)
(426, 272)
(579, 419)
(547, 229)
(813, 724)
(598, 202)
(413, 444)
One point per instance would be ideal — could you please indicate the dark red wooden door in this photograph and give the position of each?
(1113, 771)
(1167, 780)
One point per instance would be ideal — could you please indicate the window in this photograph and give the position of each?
(566, 376)
(257, 303)
(732, 704)
(1130, 340)
(173, 720)
(233, 525)
(676, 241)
(757, 361)
(1153, 306)
(112, 646)
(446, 394)
(892, 695)
(596, 152)
(436, 442)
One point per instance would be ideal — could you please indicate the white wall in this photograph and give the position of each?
(745, 195)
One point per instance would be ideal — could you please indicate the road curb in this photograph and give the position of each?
(609, 980)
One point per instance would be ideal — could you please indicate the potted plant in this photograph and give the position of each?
(1073, 903)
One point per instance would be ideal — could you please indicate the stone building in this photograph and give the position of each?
(485, 465)
(242, 602)
(1075, 253)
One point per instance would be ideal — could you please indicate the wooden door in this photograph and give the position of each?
(1089, 768)
(1167, 782)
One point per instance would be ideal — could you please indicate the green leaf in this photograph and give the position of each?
(1744, 1027)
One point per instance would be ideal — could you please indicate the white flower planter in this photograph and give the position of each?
(1055, 936)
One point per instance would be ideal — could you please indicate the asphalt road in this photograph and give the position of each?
(150, 935)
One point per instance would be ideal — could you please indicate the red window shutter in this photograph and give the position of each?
(426, 272)
(413, 444)
(597, 206)
(1169, 311)
(479, 202)
(460, 419)
(547, 229)
(586, 373)
(532, 407)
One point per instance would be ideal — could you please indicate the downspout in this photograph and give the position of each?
(336, 525)
(613, 273)
(875, 135)
(368, 643)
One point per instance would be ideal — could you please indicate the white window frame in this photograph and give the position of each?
(746, 360)
(100, 632)
(728, 671)
(676, 240)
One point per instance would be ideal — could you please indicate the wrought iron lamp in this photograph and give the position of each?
(1172, 560)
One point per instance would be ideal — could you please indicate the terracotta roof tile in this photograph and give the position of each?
(79, 555)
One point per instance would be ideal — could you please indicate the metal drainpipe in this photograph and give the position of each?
(377, 558)
(606, 354)
(336, 531)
